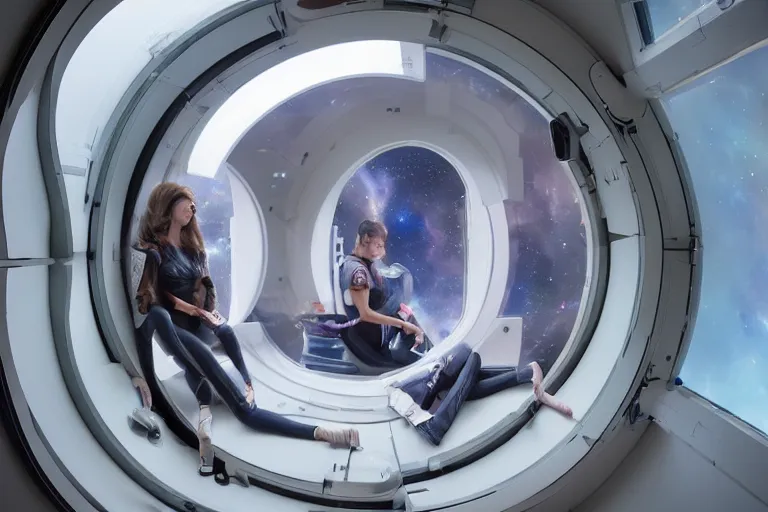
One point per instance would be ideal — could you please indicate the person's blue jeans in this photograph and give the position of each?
(459, 373)
(204, 374)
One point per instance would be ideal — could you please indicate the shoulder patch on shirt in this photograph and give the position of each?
(359, 278)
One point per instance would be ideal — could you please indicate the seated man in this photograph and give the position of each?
(459, 374)
(374, 298)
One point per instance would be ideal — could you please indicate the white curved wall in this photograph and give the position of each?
(25, 201)
(547, 431)
(249, 248)
(647, 486)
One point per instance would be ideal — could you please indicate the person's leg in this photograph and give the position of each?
(491, 382)
(231, 345)
(419, 386)
(159, 320)
(455, 374)
(364, 341)
(204, 429)
(436, 427)
(184, 344)
(204, 394)
(367, 333)
(424, 386)
(495, 380)
(197, 383)
(271, 422)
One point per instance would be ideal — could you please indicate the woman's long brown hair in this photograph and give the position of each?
(154, 224)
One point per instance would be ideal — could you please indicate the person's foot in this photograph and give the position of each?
(249, 393)
(538, 376)
(551, 401)
(342, 438)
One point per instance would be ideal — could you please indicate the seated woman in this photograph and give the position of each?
(178, 297)
(373, 304)
(458, 374)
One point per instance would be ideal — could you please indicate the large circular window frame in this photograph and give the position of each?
(176, 147)
(625, 374)
(246, 72)
(472, 449)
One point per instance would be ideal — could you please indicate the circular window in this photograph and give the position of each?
(368, 145)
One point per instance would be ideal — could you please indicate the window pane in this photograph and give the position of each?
(722, 127)
(108, 60)
(419, 196)
(665, 14)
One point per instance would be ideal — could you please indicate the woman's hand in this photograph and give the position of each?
(184, 307)
(409, 328)
(212, 318)
(249, 393)
(189, 309)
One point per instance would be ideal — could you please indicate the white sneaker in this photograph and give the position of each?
(402, 403)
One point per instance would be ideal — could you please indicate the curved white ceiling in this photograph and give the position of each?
(292, 77)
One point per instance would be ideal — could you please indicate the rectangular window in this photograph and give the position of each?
(721, 121)
(664, 15)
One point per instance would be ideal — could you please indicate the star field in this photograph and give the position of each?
(721, 120)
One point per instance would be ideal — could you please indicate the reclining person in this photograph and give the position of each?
(374, 304)
(459, 374)
(178, 297)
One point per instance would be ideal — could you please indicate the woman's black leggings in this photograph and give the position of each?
(204, 374)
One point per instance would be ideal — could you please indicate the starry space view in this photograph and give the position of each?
(726, 153)
(420, 197)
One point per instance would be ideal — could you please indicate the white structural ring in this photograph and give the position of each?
(631, 341)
